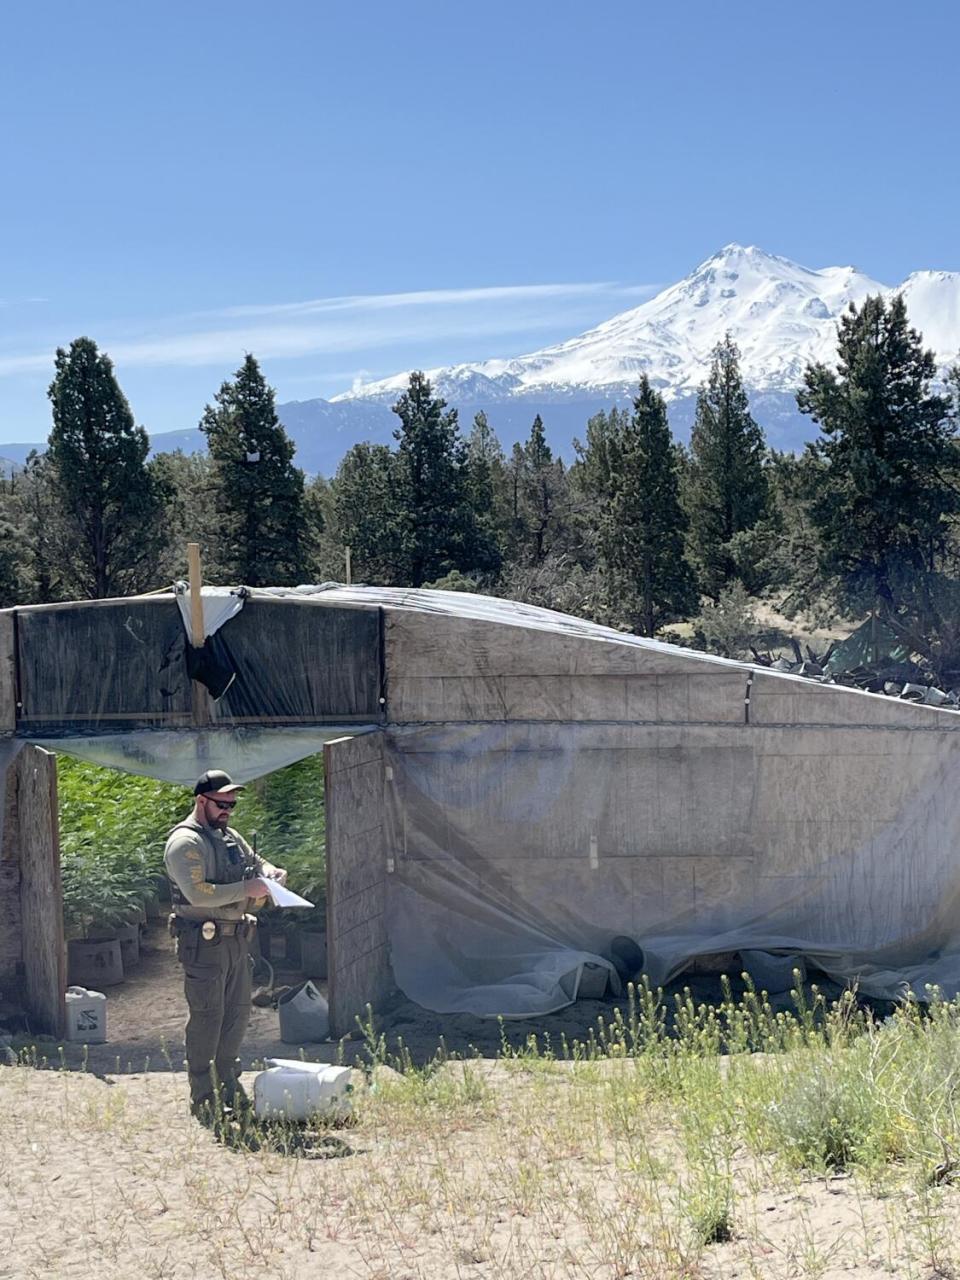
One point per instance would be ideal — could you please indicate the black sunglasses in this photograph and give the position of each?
(223, 804)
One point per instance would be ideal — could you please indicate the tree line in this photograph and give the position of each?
(638, 531)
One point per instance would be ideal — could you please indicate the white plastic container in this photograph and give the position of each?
(292, 1090)
(86, 1015)
(304, 1016)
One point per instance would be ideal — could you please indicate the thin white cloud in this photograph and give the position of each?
(422, 298)
(366, 322)
(26, 364)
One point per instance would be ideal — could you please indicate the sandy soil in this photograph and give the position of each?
(146, 1015)
(496, 1169)
(107, 1177)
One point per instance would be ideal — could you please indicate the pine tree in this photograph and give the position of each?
(438, 528)
(110, 501)
(485, 480)
(886, 483)
(484, 466)
(45, 532)
(259, 490)
(726, 489)
(191, 513)
(366, 505)
(13, 557)
(597, 459)
(539, 500)
(325, 552)
(640, 522)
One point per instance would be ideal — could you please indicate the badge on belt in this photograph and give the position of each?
(208, 930)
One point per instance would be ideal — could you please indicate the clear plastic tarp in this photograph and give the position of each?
(524, 851)
(180, 756)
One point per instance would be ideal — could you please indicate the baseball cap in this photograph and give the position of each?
(215, 780)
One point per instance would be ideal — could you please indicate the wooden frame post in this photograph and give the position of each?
(41, 894)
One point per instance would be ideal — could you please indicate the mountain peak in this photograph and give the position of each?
(782, 316)
(735, 252)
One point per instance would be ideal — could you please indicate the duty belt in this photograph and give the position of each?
(210, 929)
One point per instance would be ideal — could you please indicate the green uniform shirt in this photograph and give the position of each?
(207, 866)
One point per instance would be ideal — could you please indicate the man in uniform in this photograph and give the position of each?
(214, 876)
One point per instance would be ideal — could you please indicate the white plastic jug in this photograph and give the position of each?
(86, 1015)
(294, 1090)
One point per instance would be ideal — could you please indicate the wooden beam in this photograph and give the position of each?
(196, 597)
(41, 894)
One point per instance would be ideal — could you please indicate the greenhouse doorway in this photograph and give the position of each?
(322, 816)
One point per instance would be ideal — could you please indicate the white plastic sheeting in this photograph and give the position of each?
(523, 851)
(181, 755)
(219, 605)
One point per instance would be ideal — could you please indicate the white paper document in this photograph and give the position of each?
(284, 897)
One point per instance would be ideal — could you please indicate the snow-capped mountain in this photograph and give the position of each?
(780, 314)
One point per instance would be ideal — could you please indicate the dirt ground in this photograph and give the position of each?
(486, 1169)
(146, 1015)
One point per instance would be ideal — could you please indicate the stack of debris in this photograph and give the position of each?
(870, 658)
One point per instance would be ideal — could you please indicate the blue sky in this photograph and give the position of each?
(352, 189)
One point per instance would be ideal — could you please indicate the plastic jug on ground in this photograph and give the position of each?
(300, 1090)
(86, 1015)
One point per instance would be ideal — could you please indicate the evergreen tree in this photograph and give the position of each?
(259, 490)
(366, 509)
(726, 489)
(438, 528)
(539, 499)
(13, 558)
(325, 552)
(486, 481)
(191, 513)
(597, 459)
(484, 467)
(109, 500)
(45, 532)
(630, 463)
(886, 480)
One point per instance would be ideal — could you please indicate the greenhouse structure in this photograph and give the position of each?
(513, 796)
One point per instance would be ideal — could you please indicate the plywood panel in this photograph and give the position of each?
(358, 957)
(423, 644)
(11, 936)
(8, 671)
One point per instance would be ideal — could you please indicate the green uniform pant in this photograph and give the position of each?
(216, 982)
